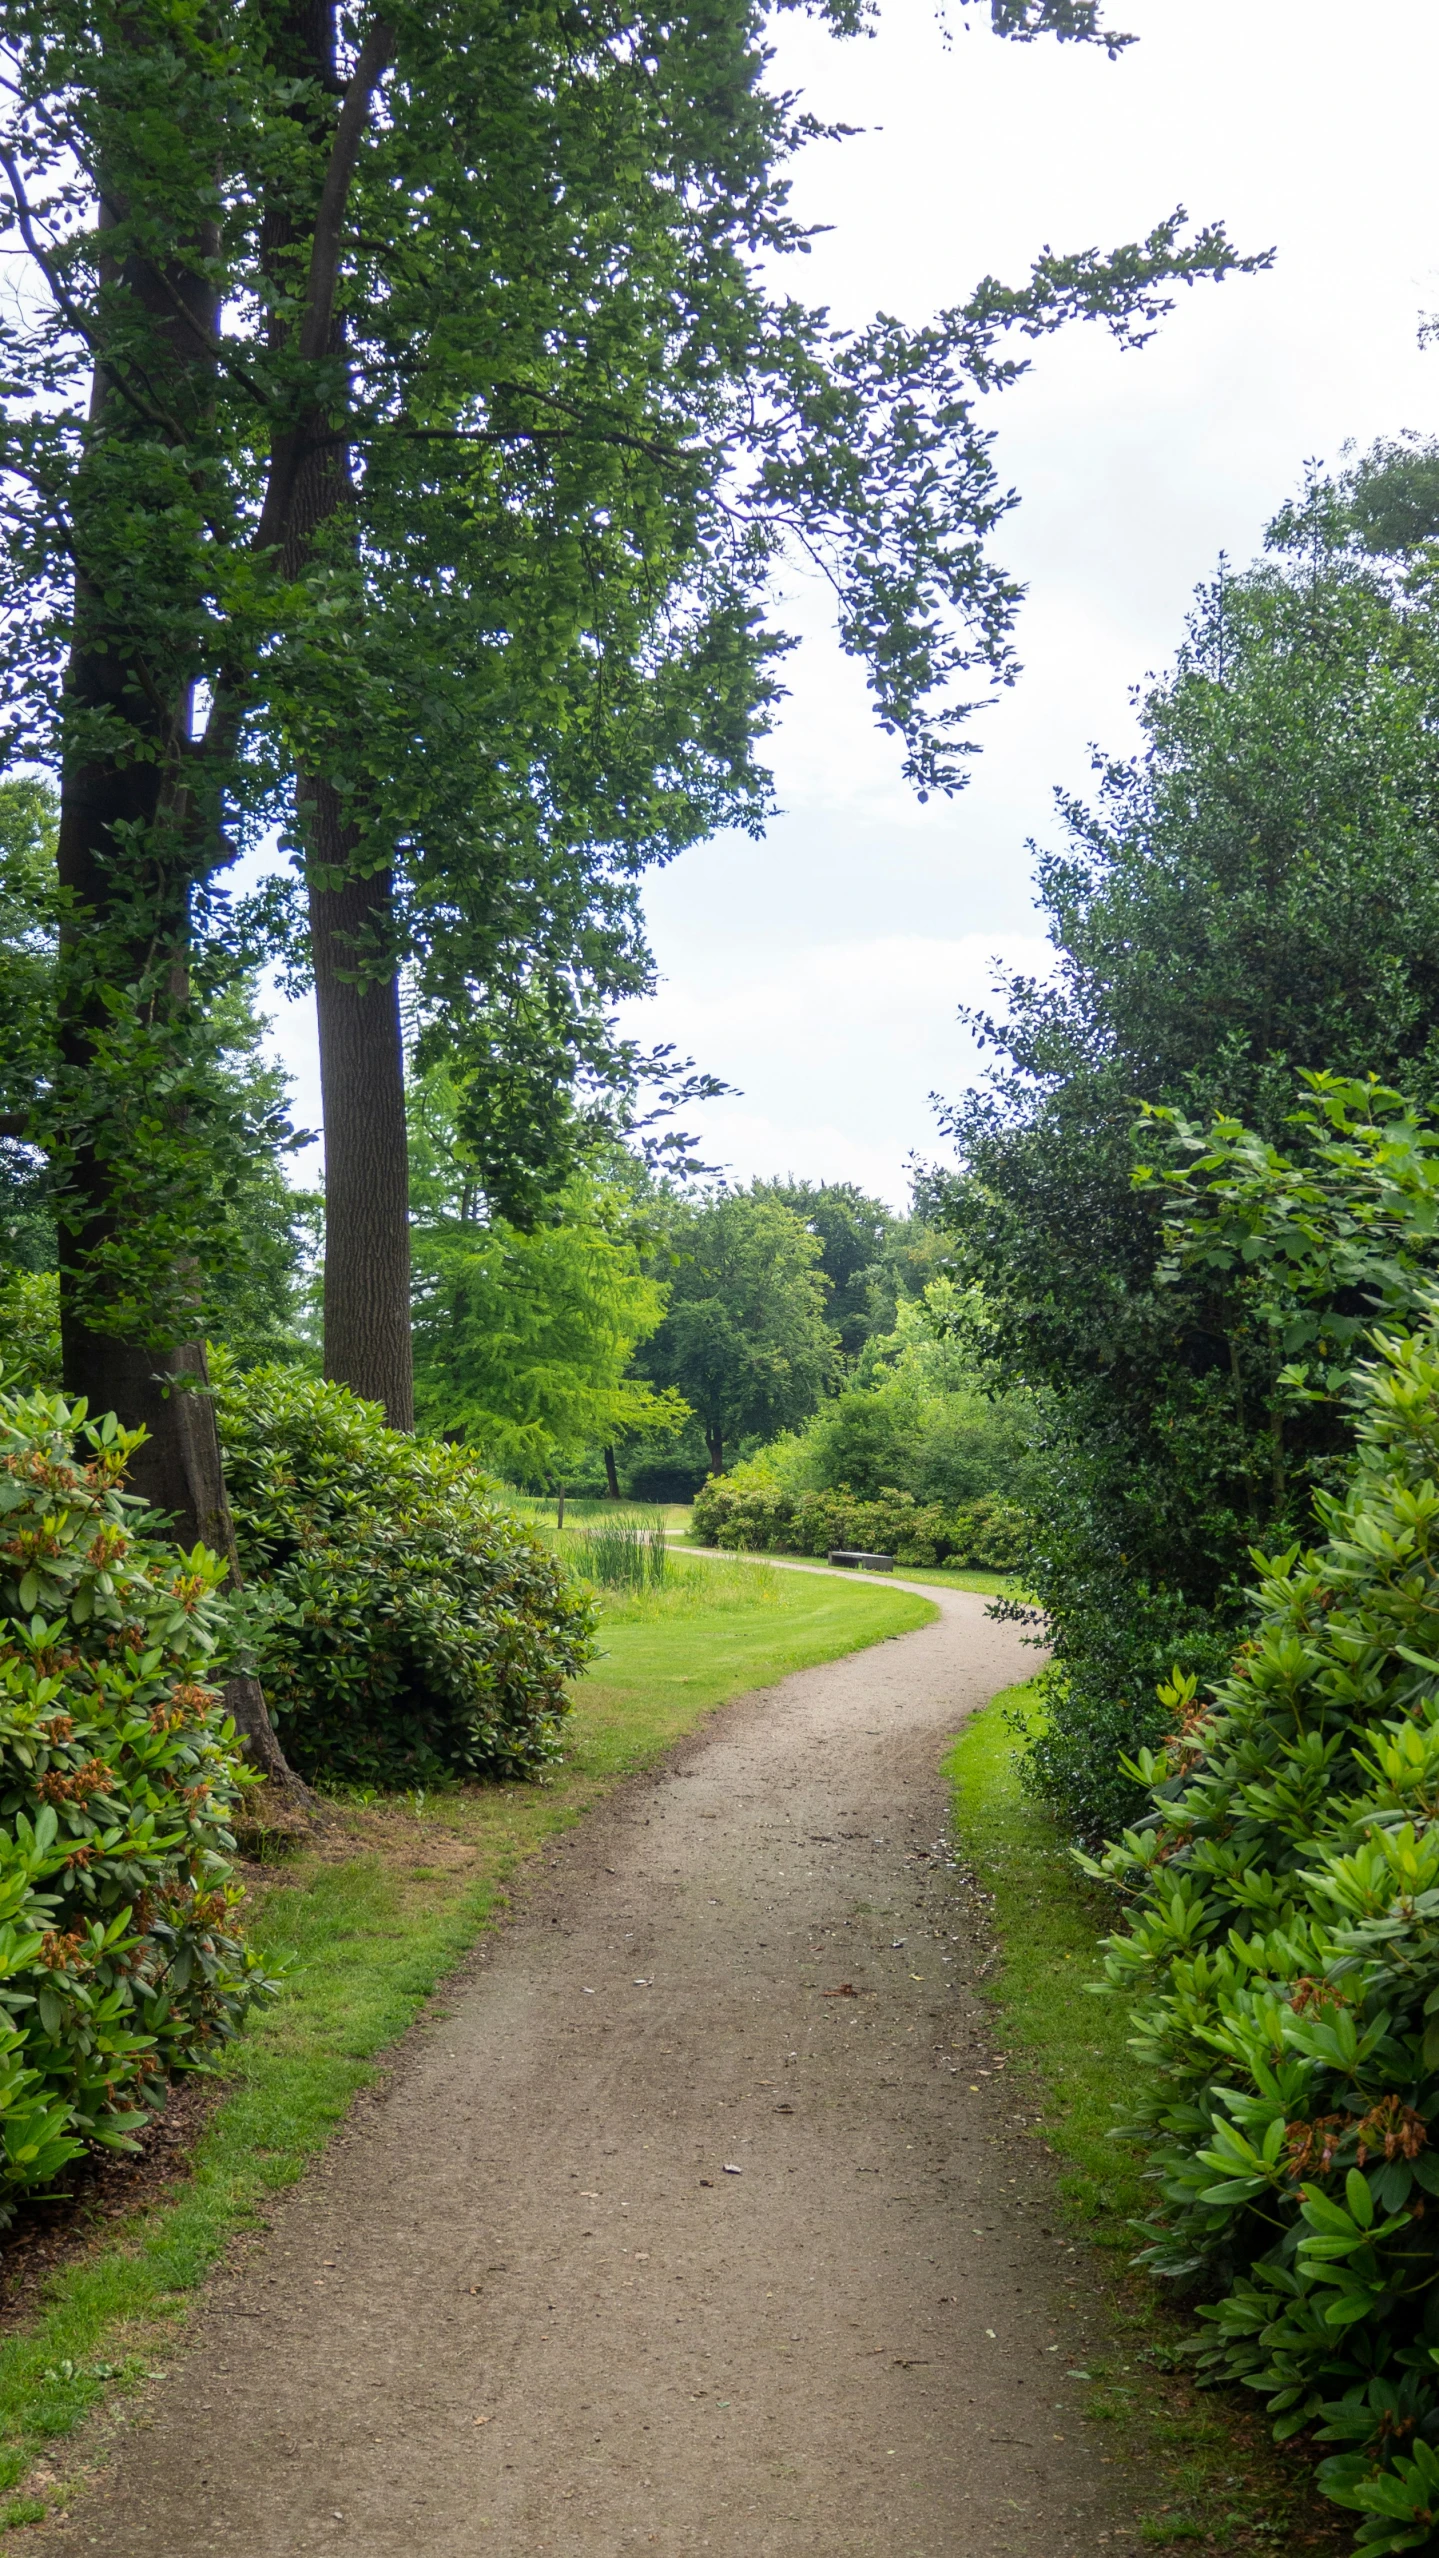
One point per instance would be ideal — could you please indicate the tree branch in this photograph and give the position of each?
(317, 317)
(319, 308)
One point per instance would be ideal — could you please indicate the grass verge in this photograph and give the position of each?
(368, 1927)
(939, 1576)
(1219, 2482)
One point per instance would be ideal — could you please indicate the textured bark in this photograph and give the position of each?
(146, 791)
(179, 1469)
(362, 1086)
(367, 1343)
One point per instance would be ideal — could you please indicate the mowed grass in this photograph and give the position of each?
(1206, 2473)
(365, 1929)
(669, 1657)
(938, 1576)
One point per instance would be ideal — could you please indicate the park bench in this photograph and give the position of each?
(862, 1562)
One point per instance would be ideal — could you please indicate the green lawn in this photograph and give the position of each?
(659, 1667)
(1217, 2481)
(938, 1576)
(367, 1928)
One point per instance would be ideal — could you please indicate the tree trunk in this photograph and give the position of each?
(612, 1480)
(367, 1344)
(714, 1441)
(362, 1088)
(128, 932)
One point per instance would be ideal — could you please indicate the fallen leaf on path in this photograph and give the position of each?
(482, 2420)
(846, 1990)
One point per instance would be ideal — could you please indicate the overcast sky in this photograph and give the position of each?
(820, 971)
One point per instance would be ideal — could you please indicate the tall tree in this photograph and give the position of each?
(524, 1339)
(855, 1235)
(1257, 893)
(745, 1339)
(248, 268)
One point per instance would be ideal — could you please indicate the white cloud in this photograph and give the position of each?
(868, 1025)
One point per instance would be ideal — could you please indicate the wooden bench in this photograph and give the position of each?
(857, 1562)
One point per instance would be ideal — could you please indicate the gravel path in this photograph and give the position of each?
(687, 2222)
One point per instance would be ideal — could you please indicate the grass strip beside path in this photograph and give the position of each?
(937, 1576)
(368, 1927)
(1213, 2478)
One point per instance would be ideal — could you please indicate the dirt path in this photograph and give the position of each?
(527, 2307)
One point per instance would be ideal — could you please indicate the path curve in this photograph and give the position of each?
(525, 2307)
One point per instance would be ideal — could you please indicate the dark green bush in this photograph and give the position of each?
(406, 1626)
(1282, 1965)
(760, 1517)
(121, 1958)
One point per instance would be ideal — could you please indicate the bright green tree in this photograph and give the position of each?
(746, 1339)
(523, 1340)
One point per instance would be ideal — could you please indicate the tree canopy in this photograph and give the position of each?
(447, 432)
(523, 1341)
(745, 1337)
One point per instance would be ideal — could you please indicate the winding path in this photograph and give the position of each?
(687, 2223)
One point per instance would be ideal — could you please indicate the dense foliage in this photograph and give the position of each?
(871, 1259)
(523, 1338)
(406, 1627)
(265, 1230)
(752, 1512)
(919, 1415)
(1282, 1962)
(745, 1338)
(1256, 894)
(121, 1953)
(331, 409)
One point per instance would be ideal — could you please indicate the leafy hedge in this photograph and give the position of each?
(761, 1517)
(1284, 1956)
(121, 1958)
(405, 1626)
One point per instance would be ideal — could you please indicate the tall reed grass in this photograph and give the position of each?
(695, 1588)
(622, 1554)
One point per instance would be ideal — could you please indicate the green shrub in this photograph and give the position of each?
(121, 1958)
(30, 1326)
(751, 1511)
(1284, 1955)
(406, 1626)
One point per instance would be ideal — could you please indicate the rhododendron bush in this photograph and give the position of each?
(1282, 1958)
(121, 1956)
